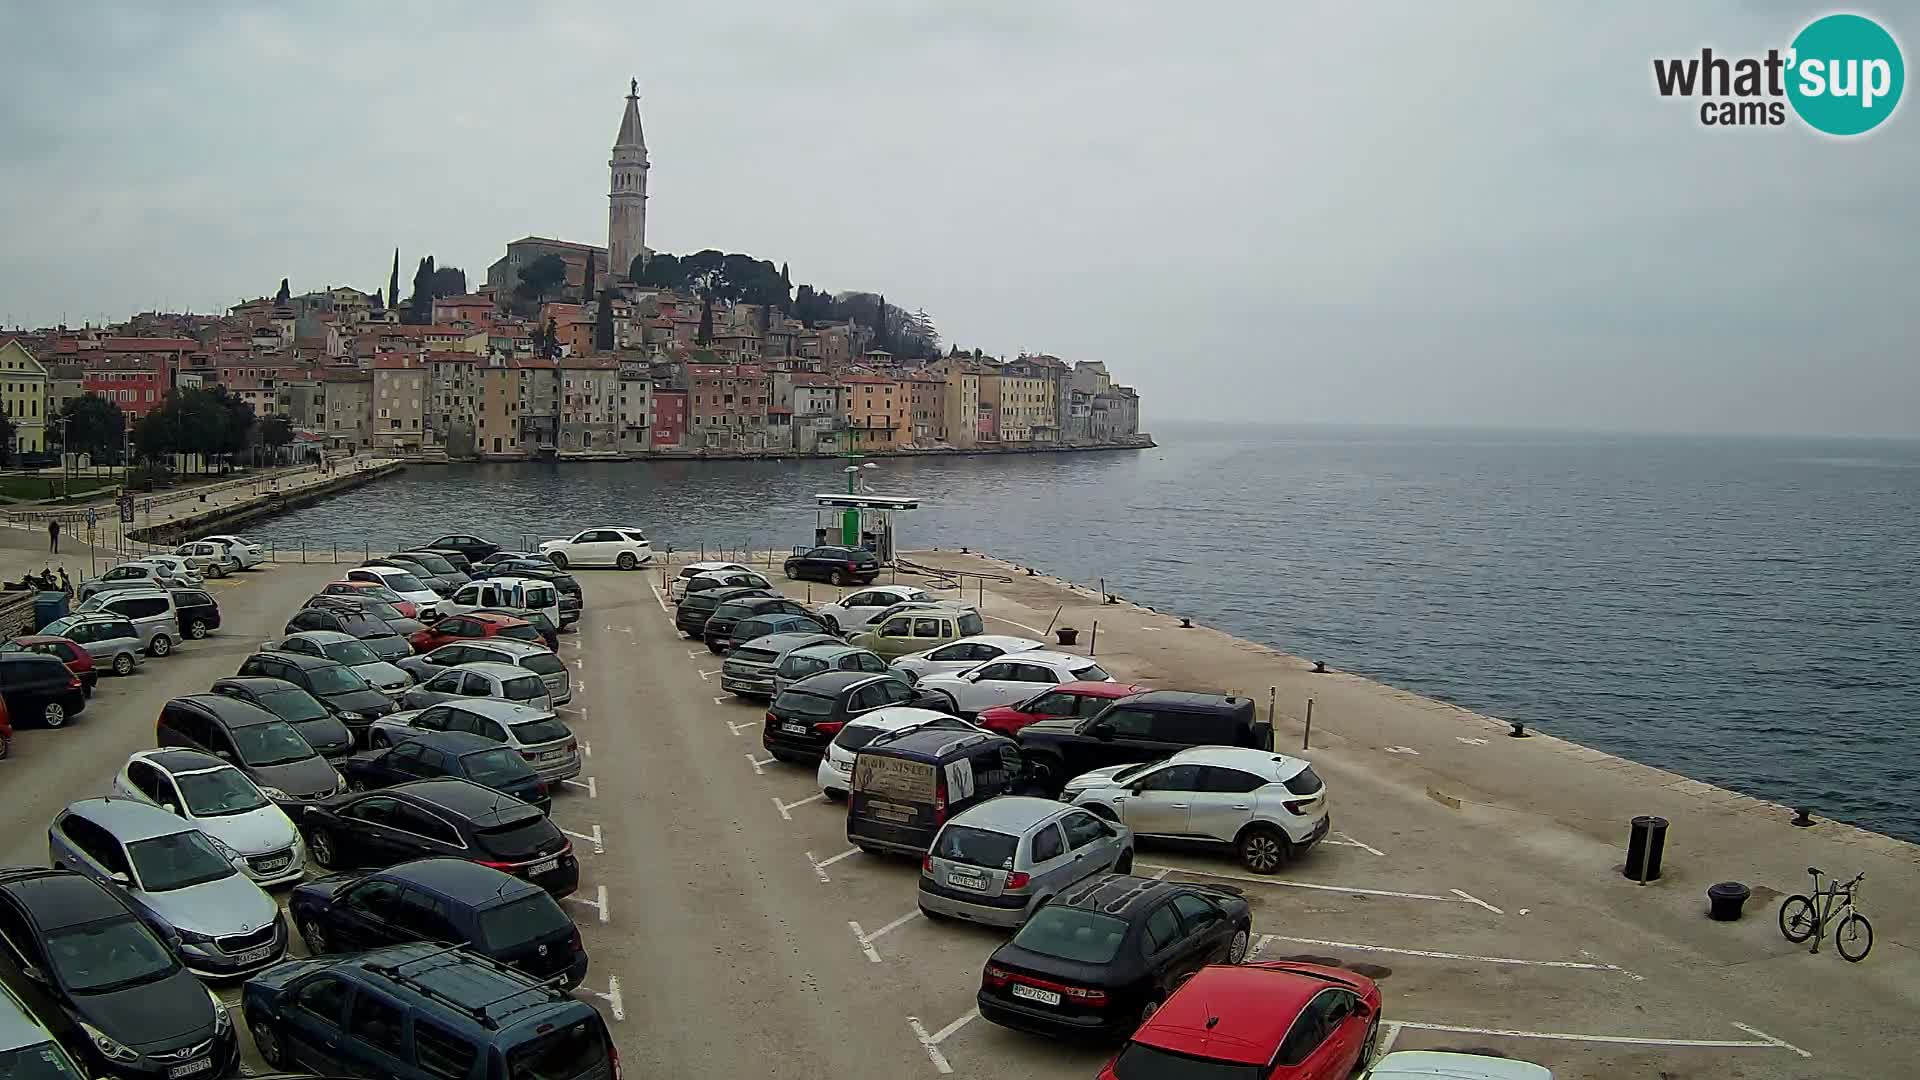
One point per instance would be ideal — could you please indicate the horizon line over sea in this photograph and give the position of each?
(1740, 610)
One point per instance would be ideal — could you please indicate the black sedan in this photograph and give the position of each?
(807, 715)
(473, 547)
(717, 632)
(459, 754)
(78, 955)
(446, 817)
(314, 721)
(694, 611)
(1099, 957)
(839, 565)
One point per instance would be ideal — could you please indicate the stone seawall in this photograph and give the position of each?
(1143, 442)
(265, 504)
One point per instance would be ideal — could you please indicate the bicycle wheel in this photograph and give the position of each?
(1854, 937)
(1797, 919)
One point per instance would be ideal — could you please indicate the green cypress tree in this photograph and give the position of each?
(393, 281)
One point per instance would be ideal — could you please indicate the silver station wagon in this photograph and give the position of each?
(998, 862)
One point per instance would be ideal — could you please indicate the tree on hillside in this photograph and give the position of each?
(446, 281)
(541, 277)
(275, 432)
(393, 282)
(590, 283)
(603, 323)
(284, 294)
(94, 426)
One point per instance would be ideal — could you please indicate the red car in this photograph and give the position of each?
(1066, 700)
(6, 730)
(71, 653)
(346, 588)
(1276, 1021)
(474, 625)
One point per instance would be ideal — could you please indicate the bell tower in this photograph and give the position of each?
(627, 192)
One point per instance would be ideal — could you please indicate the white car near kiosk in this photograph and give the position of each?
(619, 546)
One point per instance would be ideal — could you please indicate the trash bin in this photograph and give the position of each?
(1067, 635)
(48, 606)
(1725, 900)
(1645, 844)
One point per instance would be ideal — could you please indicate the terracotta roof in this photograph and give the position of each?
(868, 379)
(392, 362)
(589, 363)
(140, 344)
(549, 241)
(439, 356)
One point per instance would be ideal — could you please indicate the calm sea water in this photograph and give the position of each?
(1743, 611)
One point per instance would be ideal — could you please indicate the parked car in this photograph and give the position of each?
(248, 553)
(473, 547)
(29, 1050)
(39, 688)
(1009, 679)
(119, 577)
(1268, 808)
(315, 722)
(150, 611)
(220, 922)
(835, 774)
(755, 627)
(1440, 1065)
(351, 698)
(438, 566)
(6, 732)
(401, 604)
(208, 559)
(197, 612)
(690, 618)
(268, 749)
(508, 556)
(412, 589)
(515, 588)
(374, 635)
(112, 640)
(840, 565)
(726, 579)
(1287, 1021)
(473, 625)
(174, 570)
(349, 650)
(390, 615)
(84, 960)
(78, 660)
(350, 1015)
(221, 801)
(963, 654)
(1144, 727)
(454, 558)
(1103, 955)
(811, 660)
(446, 817)
(447, 900)
(541, 738)
(717, 632)
(907, 783)
(999, 861)
(1066, 701)
(427, 755)
(854, 612)
(408, 564)
(508, 682)
(547, 631)
(605, 545)
(496, 650)
(903, 631)
(678, 584)
(808, 714)
(748, 670)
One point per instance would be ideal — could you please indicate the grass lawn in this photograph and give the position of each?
(32, 486)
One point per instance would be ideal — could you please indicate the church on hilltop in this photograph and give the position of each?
(626, 221)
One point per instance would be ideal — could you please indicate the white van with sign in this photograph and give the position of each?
(508, 592)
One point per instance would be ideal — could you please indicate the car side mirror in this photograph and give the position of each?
(119, 877)
(170, 808)
(34, 973)
(1361, 1010)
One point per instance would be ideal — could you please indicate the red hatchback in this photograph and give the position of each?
(406, 607)
(474, 625)
(71, 653)
(1277, 1021)
(1067, 700)
(6, 730)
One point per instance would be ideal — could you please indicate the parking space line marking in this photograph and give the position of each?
(705, 675)
(1765, 1041)
(1164, 871)
(1386, 1040)
(820, 865)
(1029, 629)
(1433, 955)
(720, 700)
(1462, 898)
(865, 943)
(585, 746)
(658, 599)
(758, 763)
(894, 925)
(600, 904)
(694, 654)
(599, 847)
(784, 807)
(738, 728)
(941, 1035)
(932, 1048)
(612, 998)
(1343, 840)
(593, 788)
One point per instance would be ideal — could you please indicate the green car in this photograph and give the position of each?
(916, 627)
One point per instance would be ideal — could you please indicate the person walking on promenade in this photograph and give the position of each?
(53, 535)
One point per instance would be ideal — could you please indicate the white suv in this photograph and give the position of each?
(1010, 679)
(1268, 807)
(606, 545)
(677, 587)
(963, 654)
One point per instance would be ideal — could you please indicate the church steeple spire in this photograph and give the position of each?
(630, 133)
(627, 192)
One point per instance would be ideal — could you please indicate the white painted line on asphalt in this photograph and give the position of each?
(695, 654)
(599, 846)
(1266, 939)
(1343, 840)
(593, 788)
(580, 685)
(932, 1048)
(579, 665)
(1764, 1041)
(585, 746)
(1469, 740)
(784, 807)
(1164, 871)
(720, 700)
(738, 728)
(612, 998)
(820, 865)
(1402, 750)
(658, 599)
(860, 938)
(599, 904)
(894, 925)
(759, 764)
(1461, 898)
(709, 674)
(1386, 1040)
(1029, 629)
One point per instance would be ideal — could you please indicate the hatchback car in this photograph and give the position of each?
(371, 589)
(1284, 1021)
(717, 631)
(1107, 952)
(220, 922)
(125, 575)
(375, 635)
(677, 585)
(546, 631)
(428, 755)
(748, 670)
(963, 654)
(400, 581)
(484, 679)
(424, 1012)
(86, 962)
(808, 714)
(541, 738)
(313, 720)
(724, 579)
(473, 547)
(197, 612)
(1144, 727)
(690, 618)
(1268, 808)
(351, 698)
(919, 628)
(218, 799)
(29, 1049)
(473, 624)
(760, 626)
(838, 565)
(111, 640)
(445, 817)
(811, 660)
(77, 659)
(40, 689)
(998, 862)
(209, 559)
(1009, 679)
(439, 585)
(333, 645)
(447, 900)
(268, 749)
(621, 546)
(496, 650)
(1074, 700)
(437, 565)
(151, 612)
(248, 553)
(855, 611)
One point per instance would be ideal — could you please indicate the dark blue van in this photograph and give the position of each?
(906, 784)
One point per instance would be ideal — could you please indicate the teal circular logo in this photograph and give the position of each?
(1846, 74)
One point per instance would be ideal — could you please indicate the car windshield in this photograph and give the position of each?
(543, 664)
(732, 611)
(108, 955)
(349, 652)
(1132, 771)
(43, 1062)
(184, 859)
(382, 610)
(799, 667)
(523, 688)
(801, 703)
(219, 792)
(975, 847)
(294, 705)
(491, 768)
(562, 1055)
(276, 743)
(401, 581)
(523, 922)
(335, 680)
(323, 731)
(1091, 673)
(529, 632)
(1066, 933)
(434, 563)
(1138, 1061)
(545, 729)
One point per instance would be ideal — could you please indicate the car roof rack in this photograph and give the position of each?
(480, 1013)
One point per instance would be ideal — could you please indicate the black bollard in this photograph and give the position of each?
(1646, 843)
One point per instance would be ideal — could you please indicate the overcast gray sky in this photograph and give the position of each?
(1450, 214)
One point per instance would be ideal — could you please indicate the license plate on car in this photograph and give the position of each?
(254, 956)
(794, 729)
(967, 881)
(190, 1068)
(545, 866)
(274, 865)
(1032, 993)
